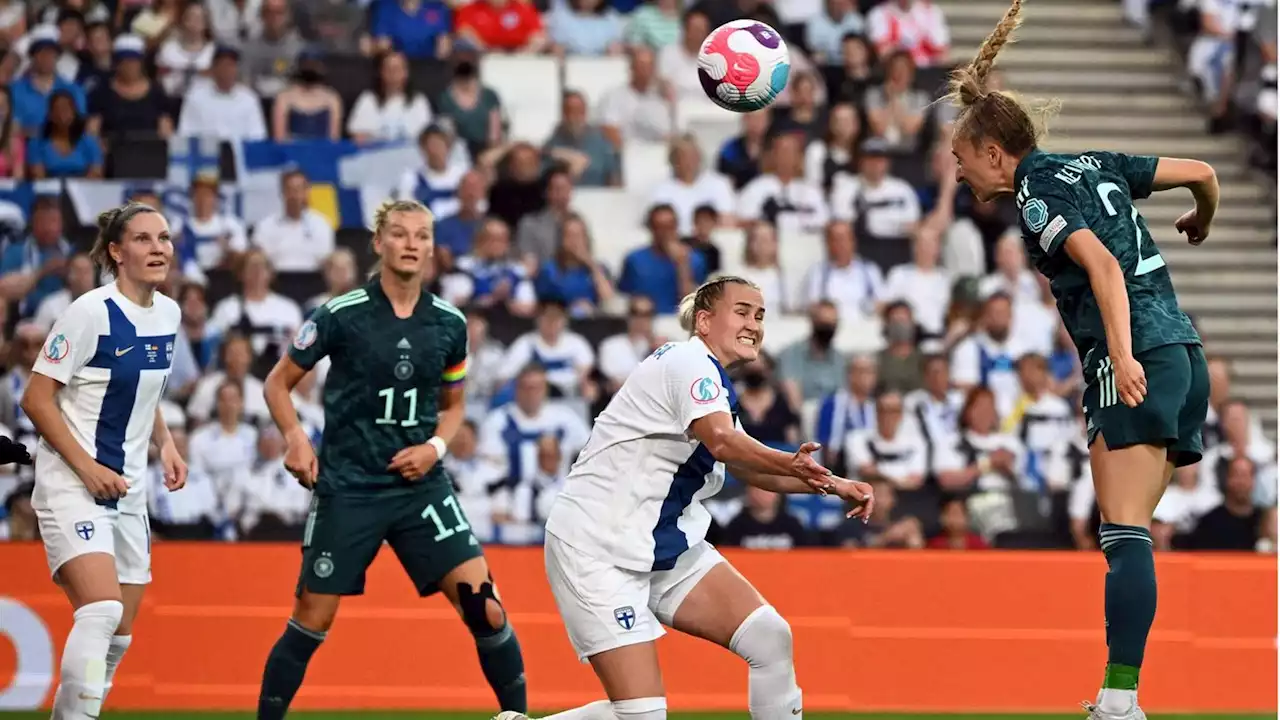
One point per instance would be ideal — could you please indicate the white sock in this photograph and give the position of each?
(650, 708)
(598, 710)
(115, 653)
(84, 661)
(764, 641)
(1117, 702)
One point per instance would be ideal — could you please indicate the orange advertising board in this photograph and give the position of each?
(890, 631)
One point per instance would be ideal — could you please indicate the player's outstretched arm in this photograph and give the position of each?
(300, 458)
(1198, 177)
(732, 446)
(855, 491)
(1106, 278)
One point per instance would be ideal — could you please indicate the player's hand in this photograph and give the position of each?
(812, 472)
(175, 468)
(414, 462)
(104, 483)
(1131, 380)
(300, 459)
(859, 494)
(1189, 224)
(13, 452)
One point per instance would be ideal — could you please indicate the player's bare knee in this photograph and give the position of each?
(316, 612)
(482, 611)
(763, 638)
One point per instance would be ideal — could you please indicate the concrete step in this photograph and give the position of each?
(1257, 394)
(1044, 14)
(1105, 103)
(1194, 146)
(1043, 81)
(1177, 123)
(1192, 279)
(1238, 327)
(1121, 56)
(1253, 368)
(1233, 193)
(1253, 348)
(1228, 300)
(1181, 255)
(1253, 214)
(968, 35)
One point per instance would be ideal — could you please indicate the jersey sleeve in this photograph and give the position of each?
(1050, 213)
(314, 338)
(694, 388)
(455, 356)
(70, 345)
(1139, 171)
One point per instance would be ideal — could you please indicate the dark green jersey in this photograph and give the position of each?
(1060, 194)
(382, 391)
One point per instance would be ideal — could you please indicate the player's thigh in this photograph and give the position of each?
(433, 541)
(79, 544)
(605, 610)
(341, 538)
(1129, 481)
(1189, 448)
(710, 601)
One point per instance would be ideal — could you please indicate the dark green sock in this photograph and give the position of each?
(1130, 601)
(286, 665)
(503, 667)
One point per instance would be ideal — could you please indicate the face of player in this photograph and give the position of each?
(734, 329)
(405, 244)
(145, 251)
(982, 168)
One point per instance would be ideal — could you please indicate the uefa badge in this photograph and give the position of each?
(57, 348)
(306, 335)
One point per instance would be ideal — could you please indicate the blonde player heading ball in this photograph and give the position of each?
(94, 398)
(625, 549)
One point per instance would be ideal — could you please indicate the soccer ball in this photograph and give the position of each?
(743, 65)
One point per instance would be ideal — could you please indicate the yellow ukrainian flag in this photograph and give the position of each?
(324, 200)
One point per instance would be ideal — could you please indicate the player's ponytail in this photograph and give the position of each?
(111, 226)
(705, 299)
(383, 213)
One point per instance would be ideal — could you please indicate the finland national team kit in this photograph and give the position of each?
(113, 359)
(626, 535)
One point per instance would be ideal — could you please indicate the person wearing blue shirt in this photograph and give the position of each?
(457, 231)
(668, 269)
(573, 277)
(63, 148)
(31, 270)
(417, 28)
(32, 92)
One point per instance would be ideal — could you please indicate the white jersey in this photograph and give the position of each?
(634, 496)
(113, 359)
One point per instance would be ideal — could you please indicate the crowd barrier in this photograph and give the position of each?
(874, 631)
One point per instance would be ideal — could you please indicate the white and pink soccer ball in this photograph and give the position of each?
(743, 65)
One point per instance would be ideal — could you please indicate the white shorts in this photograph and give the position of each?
(605, 607)
(74, 525)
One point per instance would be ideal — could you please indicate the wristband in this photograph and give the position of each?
(439, 444)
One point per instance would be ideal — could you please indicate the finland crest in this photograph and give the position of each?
(626, 616)
(84, 529)
(1035, 214)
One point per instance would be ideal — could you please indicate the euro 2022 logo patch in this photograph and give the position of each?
(704, 391)
(57, 349)
(1035, 214)
(306, 335)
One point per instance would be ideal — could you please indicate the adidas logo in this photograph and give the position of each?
(403, 344)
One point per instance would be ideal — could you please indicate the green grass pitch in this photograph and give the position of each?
(373, 715)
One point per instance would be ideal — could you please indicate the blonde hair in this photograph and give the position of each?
(996, 114)
(383, 214)
(111, 227)
(706, 297)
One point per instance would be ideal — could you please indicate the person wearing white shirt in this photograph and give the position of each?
(524, 507)
(760, 266)
(1241, 439)
(207, 238)
(81, 278)
(1039, 418)
(435, 184)
(678, 62)
(236, 359)
(620, 354)
(1036, 322)
(923, 284)
(268, 499)
(825, 31)
(891, 449)
(220, 106)
(1012, 276)
(268, 318)
(691, 186)
(854, 284)
(979, 457)
(565, 356)
(782, 195)
(887, 208)
(484, 364)
(187, 53)
(389, 110)
(986, 357)
(509, 434)
(296, 239)
(640, 109)
(474, 480)
(934, 409)
(851, 408)
(195, 513)
(917, 26)
(225, 448)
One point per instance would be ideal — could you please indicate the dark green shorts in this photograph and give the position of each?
(1173, 412)
(426, 529)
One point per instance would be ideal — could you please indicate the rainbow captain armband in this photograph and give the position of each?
(455, 374)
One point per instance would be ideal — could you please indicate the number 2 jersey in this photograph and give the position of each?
(633, 497)
(1060, 194)
(382, 391)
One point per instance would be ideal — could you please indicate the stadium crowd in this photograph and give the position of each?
(967, 417)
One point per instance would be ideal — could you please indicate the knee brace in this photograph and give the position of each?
(764, 641)
(650, 708)
(475, 608)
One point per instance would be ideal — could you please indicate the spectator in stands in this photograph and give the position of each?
(128, 103)
(1211, 58)
(1039, 418)
(236, 358)
(227, 447)
(335, 26)
(803, 114)
(538, 234)
(389, 110)
(667, 269)
(475, 110)
(510, 433)
(835, 151)
(692, 186)
(565, 356)
(266, 317)
(1219, 396)
(655, 24)
(922, 284)
(31, 270)
(846, 410)
(471, 479)
(1184, 502)
(986, 357)
(585, 27)
(1036, 320)
(208, 237)
(901, 362)
(487, 277)
(621, 353)
(196, 513)
(825, 31)
(500, 25)
(518, 188)
(298, 238)
(155, 20)
(765, 524)
(916, 26)
(980, 224)
(740, 157)
(1064, 365)
(760, 266)
(435, 183)
(63, 148)
(341, 276)
(1238, 440)
(980, 457)
(857, 70)
(417, 28)
(889, 449)
(308, 108)
(583, 147)
(1012, 276)
(20, 523)
(13, 151)
(678, 61)
(81, 278)
(455, 232)
(69, 23)
(705, 222)
(766, 413)
(935, 408)
(573, 276)
(781, 195)
(33, 92)
(522, 510)
(640, 109)
(896, 109)
(13, 21)
(187, 52)
(484, 363)
(956, 533)
(883, 208)
(234, 21)
(28, 341)
(813, 368)
(1236, 524)
(271, 55)
(197, 346)
(97, 64)
(272, 504)
(853, 283)
(888, 527)
(222, 107)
